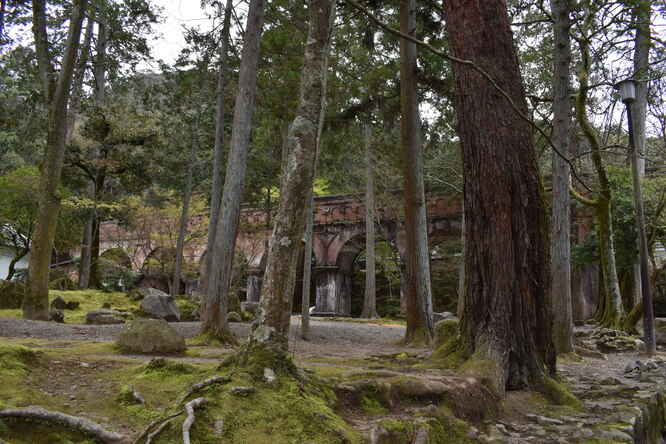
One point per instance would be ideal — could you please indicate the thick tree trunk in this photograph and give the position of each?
(307, 273)
(94, 279)
(56, 94)
(461, 269)
(642, 43)
(506, 324)
(218, 161)
(297, 181)
(370, 299)
(214, 303)
(561, 248)
(417, 257)
(182, 229)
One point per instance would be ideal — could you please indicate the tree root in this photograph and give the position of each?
(189, 409)
(164, 425)
(203, 384)
(159, 420)
(86, 425)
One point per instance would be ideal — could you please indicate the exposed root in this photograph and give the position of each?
(204, 384)
(189, 409)
(86, 425)
(147, 429)
(159, 430)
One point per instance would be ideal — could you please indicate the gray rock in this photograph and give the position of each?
(542, 420)
(104, 316)
(196, 314)
(158, 304)
(56, 315)
(58, 303)
(614, 436)
(631, 367)
(152, 336)
(72, 305)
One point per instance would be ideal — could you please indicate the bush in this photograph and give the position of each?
(11, 294)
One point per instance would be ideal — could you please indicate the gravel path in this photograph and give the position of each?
(328, 338)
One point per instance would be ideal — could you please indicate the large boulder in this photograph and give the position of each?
(445, 330)
(158, 304)
(151, 336)
(105, 316)
(11, 294)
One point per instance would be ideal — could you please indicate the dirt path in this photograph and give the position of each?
(328, 338)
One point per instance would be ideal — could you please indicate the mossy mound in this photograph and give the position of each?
(11, 295)
(445, 331)
(16, 362)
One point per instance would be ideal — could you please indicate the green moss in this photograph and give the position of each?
(163, 365)
(16, 362)
(558, 394)
(448, 429)
(371, 405)
(393, 425)
(42, 432)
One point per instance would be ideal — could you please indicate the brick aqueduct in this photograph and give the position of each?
(338, 238)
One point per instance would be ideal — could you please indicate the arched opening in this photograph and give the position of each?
(388, 279)
(351, 262)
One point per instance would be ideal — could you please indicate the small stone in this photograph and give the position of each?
(72, 397)
(321, 415)
(631, 367)
(65, 405)
(431, 408)
(542, 420)
(28, 379)
(473, 433)
(84, 364)
(219, 423)
(501, 428)
(269, 376)
(540, 432)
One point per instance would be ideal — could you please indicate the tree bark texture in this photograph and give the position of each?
(507, 316)
(77, 85)
(561, 220)
(214, 303)
(218, 161)
(370, 299)
(56, 89)
(182, 229)
(297, 180)
(417, 257)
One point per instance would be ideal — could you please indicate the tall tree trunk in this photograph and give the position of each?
(182, 229)
(642, 44)
(370, 299)
(417, 257)
(297, 181)
(218, 161)
(77, 85)
(506, 325)
(307, 273)
(561, 220)
(214, 303)
(612, 302)
(100, 59)
(56, 90)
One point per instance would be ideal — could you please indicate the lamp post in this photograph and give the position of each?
(628, 95)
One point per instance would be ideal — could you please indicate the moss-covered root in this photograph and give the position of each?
(262, 361)
(225, 337)
(558, 394)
